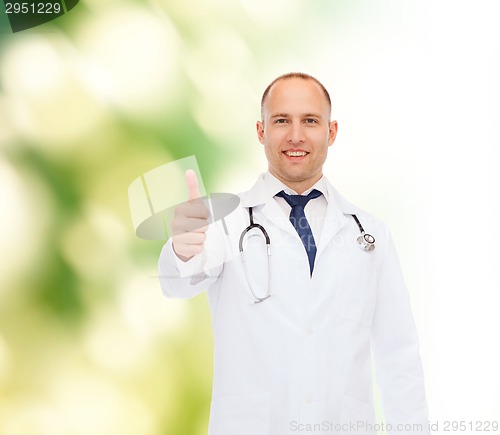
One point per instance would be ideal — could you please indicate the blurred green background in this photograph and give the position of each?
(113, 89)
(88, 103)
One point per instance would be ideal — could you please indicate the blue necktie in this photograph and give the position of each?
(299, 221)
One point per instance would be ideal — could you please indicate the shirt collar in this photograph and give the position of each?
(260, 194)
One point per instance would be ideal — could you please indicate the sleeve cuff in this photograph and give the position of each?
(193, 266)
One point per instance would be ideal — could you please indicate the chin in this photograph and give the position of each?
(294, 178)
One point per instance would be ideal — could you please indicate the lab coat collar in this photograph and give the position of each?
(259, 195)
(336, 217)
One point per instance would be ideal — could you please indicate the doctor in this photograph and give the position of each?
(294, 335)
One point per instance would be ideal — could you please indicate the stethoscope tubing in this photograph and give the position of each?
(365, 241)
(268, 247)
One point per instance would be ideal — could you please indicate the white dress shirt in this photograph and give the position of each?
(315, 210)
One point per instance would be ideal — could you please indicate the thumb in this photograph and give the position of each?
(192, 184)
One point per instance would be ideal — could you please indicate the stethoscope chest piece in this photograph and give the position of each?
(366, 242)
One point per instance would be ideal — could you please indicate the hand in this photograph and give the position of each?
(190, 222)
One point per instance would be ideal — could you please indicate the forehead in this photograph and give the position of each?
(296, 95)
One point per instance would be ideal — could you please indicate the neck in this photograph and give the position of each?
(299, 186)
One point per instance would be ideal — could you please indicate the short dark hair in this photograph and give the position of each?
(294, 75)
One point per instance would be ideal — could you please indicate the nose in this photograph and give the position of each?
(296, 133)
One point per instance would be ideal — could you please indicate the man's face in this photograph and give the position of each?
(296, 132)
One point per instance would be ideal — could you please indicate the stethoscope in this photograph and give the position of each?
(365, 241)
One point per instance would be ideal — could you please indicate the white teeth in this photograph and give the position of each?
(295, 153)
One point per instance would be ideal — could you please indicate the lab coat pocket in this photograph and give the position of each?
(358, 288)
(241, 414)
(357, 416)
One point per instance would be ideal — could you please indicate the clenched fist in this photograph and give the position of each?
(190, 222)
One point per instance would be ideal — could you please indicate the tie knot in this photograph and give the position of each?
(299, 200)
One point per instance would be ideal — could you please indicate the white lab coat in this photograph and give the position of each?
(300, 362)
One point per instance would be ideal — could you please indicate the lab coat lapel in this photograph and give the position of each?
(258, 195)
(337, 214)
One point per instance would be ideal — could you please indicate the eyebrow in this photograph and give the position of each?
(307, 115)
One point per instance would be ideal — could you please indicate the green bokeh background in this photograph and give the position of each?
(88, 103)
(113, 89)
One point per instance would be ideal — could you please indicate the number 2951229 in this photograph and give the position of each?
(32, 8)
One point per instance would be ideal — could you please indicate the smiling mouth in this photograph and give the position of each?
(295, 153)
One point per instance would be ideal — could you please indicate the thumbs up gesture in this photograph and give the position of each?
(190, 222)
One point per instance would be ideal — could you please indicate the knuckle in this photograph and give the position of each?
(204, 212)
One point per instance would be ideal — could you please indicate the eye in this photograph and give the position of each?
(311, 121)
(280, 121)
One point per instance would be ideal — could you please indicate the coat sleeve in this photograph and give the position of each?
(184, 280)
(395, 348)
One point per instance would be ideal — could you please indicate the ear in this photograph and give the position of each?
(260, 131)
(332, 133)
